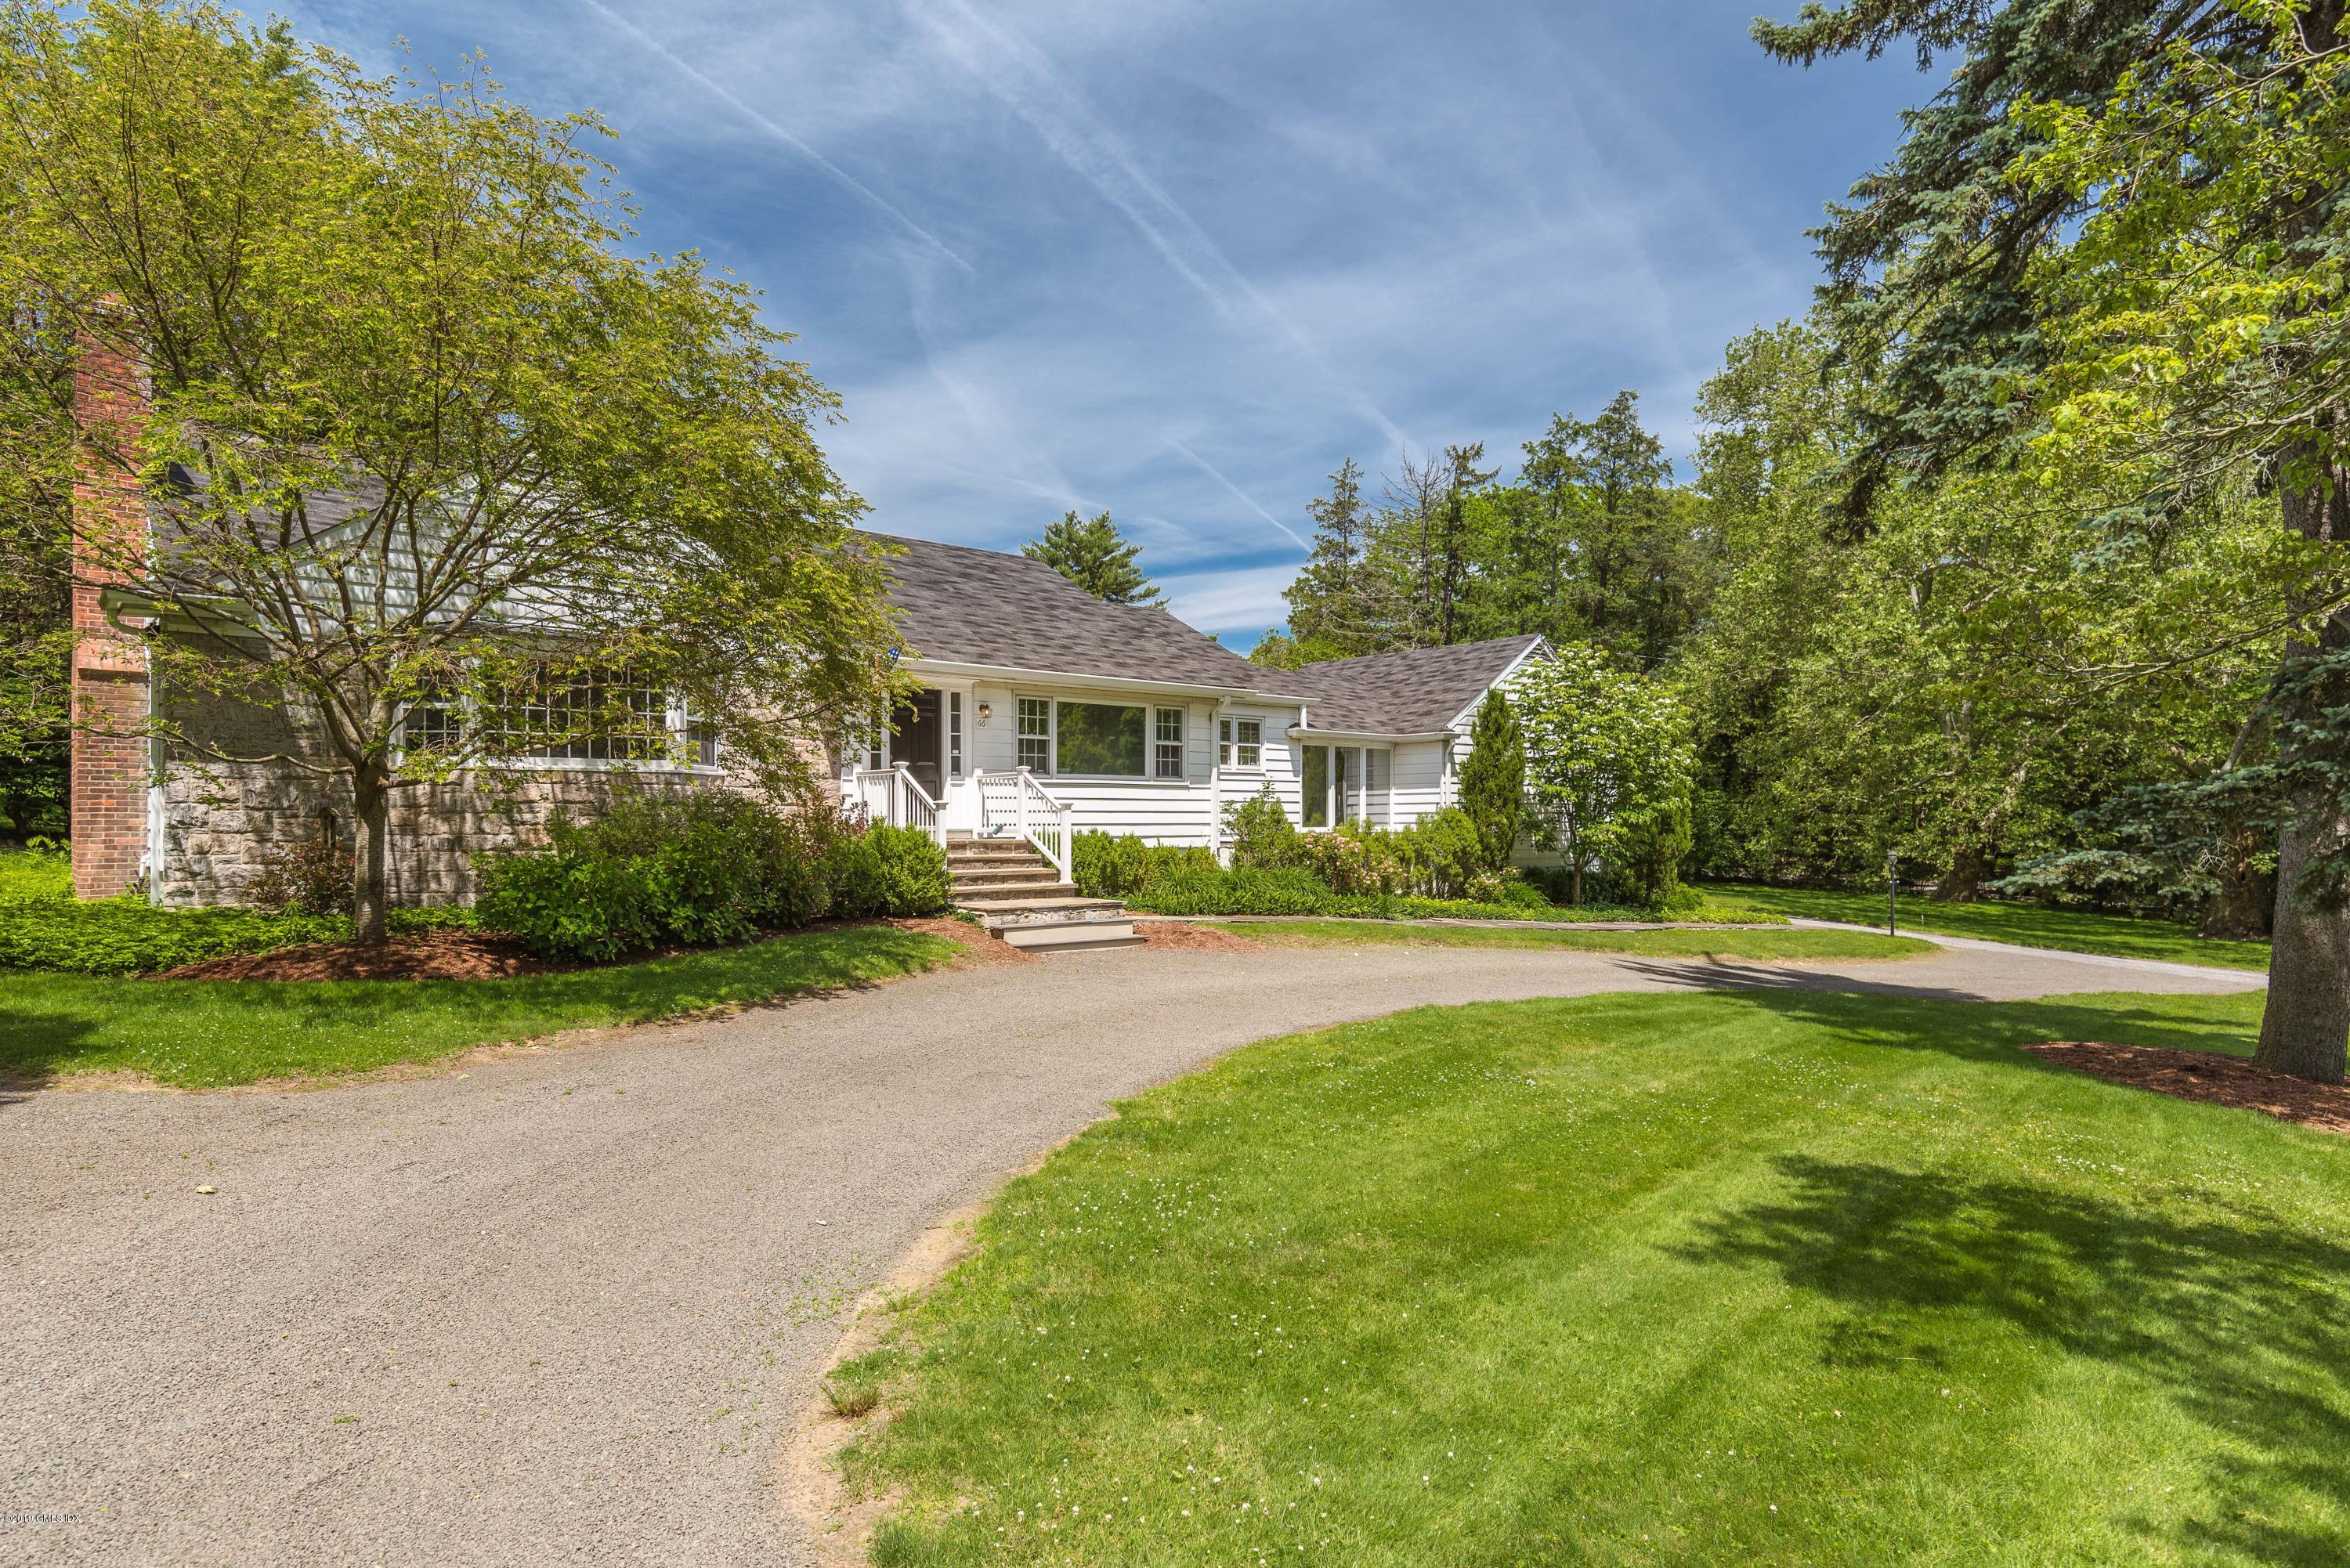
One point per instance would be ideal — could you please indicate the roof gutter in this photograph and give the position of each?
(961, 668)
(1358, 737)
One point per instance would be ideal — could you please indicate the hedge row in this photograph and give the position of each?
(702, 870)
(697, 871)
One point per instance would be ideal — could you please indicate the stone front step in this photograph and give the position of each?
(971, 895)
(1019, 895)
(1003, 872)
(1053, 902)
(1070, 936)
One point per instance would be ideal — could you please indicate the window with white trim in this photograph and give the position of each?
(955, 734)
(1167, 743)
(599, 716)
(1240, 742)
(1037, 735)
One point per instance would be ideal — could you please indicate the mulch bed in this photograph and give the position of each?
(1198, 939)
(480, 955)
(430, 955)
(2206, 1077)
(978, 947)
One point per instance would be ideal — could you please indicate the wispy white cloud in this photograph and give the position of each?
(1236, 601)
(1279, 236)
(718, 91)
(1028, 82)
(1237, 494)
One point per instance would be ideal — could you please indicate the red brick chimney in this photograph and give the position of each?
(111, 690)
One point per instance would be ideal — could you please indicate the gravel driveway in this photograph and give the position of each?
(560, 1308)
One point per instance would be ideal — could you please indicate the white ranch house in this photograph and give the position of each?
(1045, 711)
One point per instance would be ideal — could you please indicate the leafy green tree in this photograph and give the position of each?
(1494, 779)
(1605, 750)
(1342, 604)
(2113, 249)
(426, 448)
(1960, 681)
(1091, 553)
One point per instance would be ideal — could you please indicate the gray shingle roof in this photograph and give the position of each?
(1412, 692)
(982, 607)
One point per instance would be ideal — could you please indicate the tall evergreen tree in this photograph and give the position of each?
(2116, 238)
(1494, 779)
(1340, 605)
(1091, 553)
(1451, 556)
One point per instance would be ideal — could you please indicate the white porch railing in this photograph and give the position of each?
(1015, 805)
(893, 796)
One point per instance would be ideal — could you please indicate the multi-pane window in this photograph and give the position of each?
(1037, 735)
(955, 734)
(1104, 738)
(1167, 743)
(1240, 742)
(433, 722)
(604, 717)
(599, 716)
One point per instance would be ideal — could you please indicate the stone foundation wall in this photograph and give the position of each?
(222, 824)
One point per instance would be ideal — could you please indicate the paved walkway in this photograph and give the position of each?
(561, 1308)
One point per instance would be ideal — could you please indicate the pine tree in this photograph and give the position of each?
(2114, 240)
(1092, 554)
(1494, 779)
(1451, 556)
(1339, 606)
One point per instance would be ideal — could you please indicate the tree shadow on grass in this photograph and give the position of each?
(2239, 1320)
(33, 1045)
(1917, 1017)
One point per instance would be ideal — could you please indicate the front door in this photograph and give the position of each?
(918, 742)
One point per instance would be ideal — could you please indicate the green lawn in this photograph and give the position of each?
(1756, 1277)
(2025, 925)
(1771, 944)
(207, 1033)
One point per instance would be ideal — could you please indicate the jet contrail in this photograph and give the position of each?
(871, 195)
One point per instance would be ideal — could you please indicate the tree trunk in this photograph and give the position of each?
(2246, 901)
(2307, 1024)
(372, 806)
(1575, 882)
(1962, 884)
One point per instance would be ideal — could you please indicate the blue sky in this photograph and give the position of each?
(1178, 258)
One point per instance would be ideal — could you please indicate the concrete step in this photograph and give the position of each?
(969, 875)
(965, 893)
(965, 854)
(1070, 936)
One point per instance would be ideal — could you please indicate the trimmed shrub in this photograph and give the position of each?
(913, 871)
(1107, 865)
(859, 880)
(696, 870)
(1442, 856)
(1260, 833)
